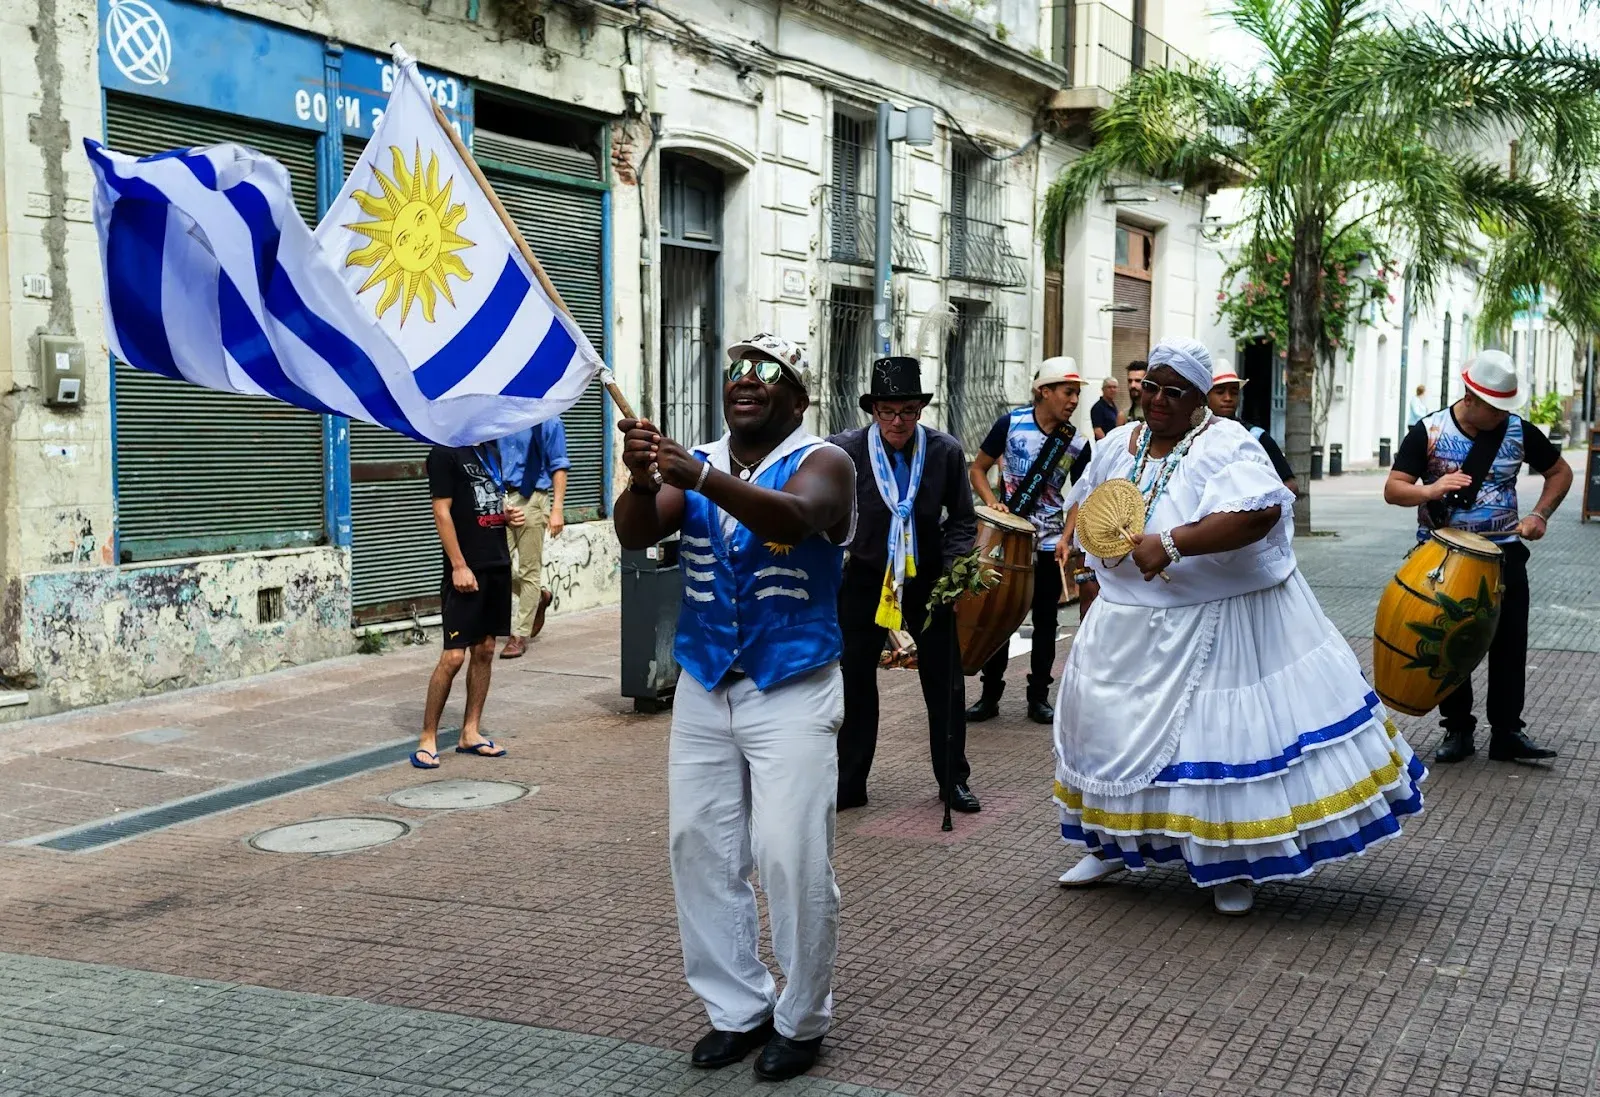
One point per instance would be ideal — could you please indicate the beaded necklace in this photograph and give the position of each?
(1169, 464)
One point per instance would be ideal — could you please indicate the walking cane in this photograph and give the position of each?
(954, 700)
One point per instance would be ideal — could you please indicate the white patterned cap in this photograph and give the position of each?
(780, 350)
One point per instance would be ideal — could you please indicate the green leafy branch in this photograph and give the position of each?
(967, 576)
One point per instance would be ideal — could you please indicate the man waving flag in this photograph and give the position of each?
(412, 306)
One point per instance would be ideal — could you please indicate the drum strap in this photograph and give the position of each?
(1055, 447)
(1480, 458)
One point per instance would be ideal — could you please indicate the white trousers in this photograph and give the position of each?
(751, 780)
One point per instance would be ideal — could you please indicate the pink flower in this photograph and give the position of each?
(1343, 281)
(1221, 296)
(1286, 279)
(1391, 299)
(1271, 258)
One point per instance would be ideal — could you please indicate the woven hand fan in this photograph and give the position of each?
(1110, 518)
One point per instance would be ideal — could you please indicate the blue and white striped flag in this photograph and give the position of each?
(410, 307)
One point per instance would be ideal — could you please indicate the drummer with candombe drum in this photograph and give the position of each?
(1459, 468)
(914, 518)
(1210, 714)
(1039, 452)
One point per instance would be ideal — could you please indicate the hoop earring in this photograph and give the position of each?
(1198, 417)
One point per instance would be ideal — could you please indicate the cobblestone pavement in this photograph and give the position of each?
(1459, 959)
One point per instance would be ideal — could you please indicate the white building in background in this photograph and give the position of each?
(689, 172)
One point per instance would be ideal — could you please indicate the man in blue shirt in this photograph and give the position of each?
(534, 469)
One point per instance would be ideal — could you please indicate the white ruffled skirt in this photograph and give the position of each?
(1239, 737)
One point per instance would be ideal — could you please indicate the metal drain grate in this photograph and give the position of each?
(135, 823)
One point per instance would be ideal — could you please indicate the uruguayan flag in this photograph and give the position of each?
(410, 307)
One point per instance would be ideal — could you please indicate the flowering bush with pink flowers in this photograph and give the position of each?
(1255, 303)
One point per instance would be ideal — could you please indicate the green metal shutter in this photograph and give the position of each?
(562, 226)
(394, 550)
(201, 472)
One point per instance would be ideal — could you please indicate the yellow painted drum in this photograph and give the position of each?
(1435, 620)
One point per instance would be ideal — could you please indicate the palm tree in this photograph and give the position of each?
(1356, 123)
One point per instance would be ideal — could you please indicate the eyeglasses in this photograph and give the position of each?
(909, 415)
(1171, 392)
(766, 370)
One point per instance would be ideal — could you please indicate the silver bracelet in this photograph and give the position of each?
(705, 474)
(1171, 546)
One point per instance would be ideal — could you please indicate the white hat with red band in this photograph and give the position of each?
(1224, 374)
(1492, 378)
(1059, 370)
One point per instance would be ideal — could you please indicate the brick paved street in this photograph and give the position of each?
(540, 933)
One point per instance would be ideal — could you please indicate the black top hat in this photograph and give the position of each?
(897, 378)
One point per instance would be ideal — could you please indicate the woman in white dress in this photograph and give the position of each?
(1215, 717)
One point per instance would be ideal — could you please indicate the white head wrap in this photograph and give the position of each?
(1188, 356)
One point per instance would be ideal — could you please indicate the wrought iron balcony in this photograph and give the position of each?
(978, 251)
(850, 227)
(1100, 47)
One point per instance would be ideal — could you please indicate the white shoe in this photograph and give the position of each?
(1233, 899)
(1090, 870)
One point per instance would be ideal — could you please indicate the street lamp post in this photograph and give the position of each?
(915, 127)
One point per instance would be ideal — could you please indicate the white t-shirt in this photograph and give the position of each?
(1226, 470)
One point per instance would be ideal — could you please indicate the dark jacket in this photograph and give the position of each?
(946, 524)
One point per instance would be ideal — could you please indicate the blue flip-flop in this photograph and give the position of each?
(416, 759)
(485, 749)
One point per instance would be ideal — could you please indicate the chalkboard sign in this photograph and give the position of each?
(1591, 477)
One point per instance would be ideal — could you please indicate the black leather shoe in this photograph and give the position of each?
(961, 799)
(1516, 747)
(784, 1058)
(851, 800)
(984, 708)
(1041, 713)
(720, 1049)
(1457, 747)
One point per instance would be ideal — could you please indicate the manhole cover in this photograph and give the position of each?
(329, 835)
(445, 795)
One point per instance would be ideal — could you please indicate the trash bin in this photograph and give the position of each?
(1383, 453)
(1316, 462)
(1336, 459)
(652, 590)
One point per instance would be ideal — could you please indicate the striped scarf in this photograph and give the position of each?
(902, 525)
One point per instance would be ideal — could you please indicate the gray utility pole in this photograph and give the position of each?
(1405, 358)
(1444, 366)
(915, 127)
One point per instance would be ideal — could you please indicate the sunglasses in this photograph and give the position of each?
(1171, 392)
(909, 415)
(766, 370)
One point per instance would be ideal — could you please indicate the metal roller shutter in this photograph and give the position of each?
(394, 548)
(202, 472)
(1130, 331)
(562, 226)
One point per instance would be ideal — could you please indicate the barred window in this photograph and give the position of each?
(847, 319)
(850, 201)
(978, 248)
(975, 371)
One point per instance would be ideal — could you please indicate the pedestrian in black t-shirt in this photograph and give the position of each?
(475, 596)
(1103, 414)
(1227, 390)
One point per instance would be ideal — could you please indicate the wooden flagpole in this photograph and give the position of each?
(623, 407)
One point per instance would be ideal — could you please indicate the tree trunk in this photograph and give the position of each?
(1305, 317)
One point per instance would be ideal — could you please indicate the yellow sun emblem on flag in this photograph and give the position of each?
(779, 549)
(413, 234)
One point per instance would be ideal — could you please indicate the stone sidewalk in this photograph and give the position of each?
(1458, 960)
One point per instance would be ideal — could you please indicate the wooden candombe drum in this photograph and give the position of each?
(1435, 620)
(985, 622)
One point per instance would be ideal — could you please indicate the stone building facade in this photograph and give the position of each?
(689, 173)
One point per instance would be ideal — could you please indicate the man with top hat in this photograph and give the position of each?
(1038, 451)
(1227, 390)
(763, 515)
(914, 517)
(1459, 468)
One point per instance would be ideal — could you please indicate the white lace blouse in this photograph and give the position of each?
(1225, 470)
